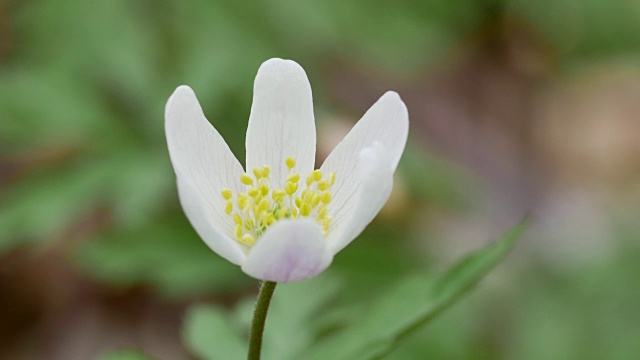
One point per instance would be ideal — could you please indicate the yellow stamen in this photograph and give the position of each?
(226, 193)
(294, 178)
(325, 224)
(325, 197)
(315, 200)
(264, 217)
(248, 240)
(259, 173)
(281, 213)
(322, 185)
(322, 213)
(310, 179)
(253, 192)
(278, 196)
(264, 189)
(262, 205)
(249, 224)
(243, 201)
(331, 178)
(305, 209)
(290, 188)
(246, 179)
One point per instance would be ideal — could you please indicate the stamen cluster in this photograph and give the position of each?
(261, 206)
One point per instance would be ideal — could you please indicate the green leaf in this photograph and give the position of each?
(208, 335)
(411, 304)
(125, 355)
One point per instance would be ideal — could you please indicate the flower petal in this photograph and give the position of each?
(281, 123)
(200, 217)
(200, 156)
(291, 250)
(386, 123)
(369, 196)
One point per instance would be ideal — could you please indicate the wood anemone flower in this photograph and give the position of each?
(281, 220)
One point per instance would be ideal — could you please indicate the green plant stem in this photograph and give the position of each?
(259, 319)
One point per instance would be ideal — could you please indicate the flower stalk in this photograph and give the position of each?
(259, 319)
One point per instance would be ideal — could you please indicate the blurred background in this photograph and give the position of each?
(515, 106)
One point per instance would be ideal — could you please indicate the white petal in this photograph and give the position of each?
(369, 196)
(387, 123)
(281, 123)
(291, 250)
(200, 156)
(200, 217)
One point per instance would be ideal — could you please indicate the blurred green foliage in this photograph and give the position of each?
(125, 355)
(300, 328)
(82, 92)
(166, 256)
(413, 302)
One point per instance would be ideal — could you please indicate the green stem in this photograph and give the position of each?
(259, 318)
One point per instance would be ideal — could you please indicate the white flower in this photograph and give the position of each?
(283, 221)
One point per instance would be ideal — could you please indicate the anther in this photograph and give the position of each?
(305, 209)
(291, 187)
(317, 174)
(264, 204)
(253, 192)
(278, 196)
(322, 213)
(258, 172)
(331, 178)
(294, 178)
(246, 179)
(226, 193)
(322, 185)
(310, 179)
(248, 239)
(257, 210)
(325, 197)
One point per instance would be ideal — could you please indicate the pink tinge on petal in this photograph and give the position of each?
(291, 250)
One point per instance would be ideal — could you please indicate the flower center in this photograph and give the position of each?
(260, 206)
